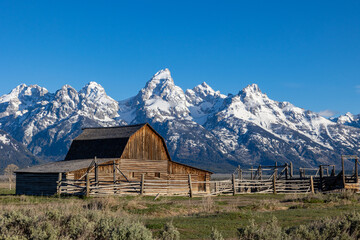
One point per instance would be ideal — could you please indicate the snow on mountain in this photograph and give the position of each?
(13, 152)
(348, 119)
(251, 105)
(203, 101)
(159, 100)
(202, 127)
(43, 121)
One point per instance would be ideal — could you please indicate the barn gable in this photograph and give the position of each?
(146, 143)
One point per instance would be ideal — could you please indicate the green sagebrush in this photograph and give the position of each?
(343, 227)
(54, 225)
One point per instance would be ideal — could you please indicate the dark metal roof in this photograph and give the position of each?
(109, 132)
(104, 142)
(63, 166)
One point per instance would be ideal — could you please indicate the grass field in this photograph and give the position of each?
(194, 218)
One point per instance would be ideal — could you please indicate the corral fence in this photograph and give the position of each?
(155, 187)
(280, 180)
(147, 187)
(241, 186)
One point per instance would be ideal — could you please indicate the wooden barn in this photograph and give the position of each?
(115, 156)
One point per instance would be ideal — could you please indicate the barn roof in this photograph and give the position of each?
(63, 166)
(109, 132)
(102, 142)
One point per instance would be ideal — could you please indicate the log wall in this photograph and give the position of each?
(37, 183)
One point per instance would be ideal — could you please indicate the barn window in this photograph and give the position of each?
(132, 174)
(157, 174)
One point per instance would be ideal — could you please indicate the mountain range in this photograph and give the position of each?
(201, 126)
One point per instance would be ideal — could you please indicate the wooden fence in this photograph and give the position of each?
(237, 186)
(149, 187)
(153, 187)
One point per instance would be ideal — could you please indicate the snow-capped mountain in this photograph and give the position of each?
(348, 119)
(202, 127)
(13, 152)
(47, 122)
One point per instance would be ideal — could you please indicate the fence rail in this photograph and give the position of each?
(90, 187)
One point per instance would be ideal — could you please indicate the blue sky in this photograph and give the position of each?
(304, 52)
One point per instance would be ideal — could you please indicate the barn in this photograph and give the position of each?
(113, 155)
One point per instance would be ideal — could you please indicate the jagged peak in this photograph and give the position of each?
(161, 85)
(349, 114)
(162, 74)
(203, 86)
(252, 88)
(162, 77)
(66, 86)
(24, 90)
(27, 88)
(92, 89)
(204, 90)
(93, 85)
(66, 90)
(19, 87)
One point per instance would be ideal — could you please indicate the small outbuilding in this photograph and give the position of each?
(112, 155)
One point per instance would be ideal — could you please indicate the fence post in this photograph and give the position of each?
(233, 184)
(343, 170)
(142, 183)
(240, 180)
(190, 187)
(286, 171)
(96, 173)
(114, 172)
(274, 181)
(58, 190)
(291, 170)
(260, 172)
(321, 178)
(333, 171)
(87, 185)
(312, 184)
(356, 170)
(216, 187)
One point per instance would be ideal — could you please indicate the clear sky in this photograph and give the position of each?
(304, 52)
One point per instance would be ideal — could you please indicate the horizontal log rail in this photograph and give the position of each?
(181, 187)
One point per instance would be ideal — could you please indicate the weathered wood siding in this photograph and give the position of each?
(179, 171)
(36, 183)
(145, 144)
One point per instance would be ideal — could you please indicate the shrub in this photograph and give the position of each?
(344, 227)
(207, 204)
(78, 225)
(55, 225)
(269, 230)
(121, 229)
(170, 232)
(216, 235)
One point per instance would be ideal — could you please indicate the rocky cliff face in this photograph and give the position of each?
(202, 127)
(13, 152)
